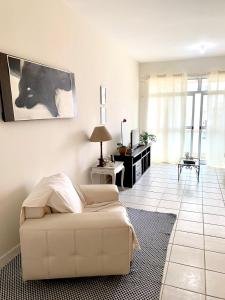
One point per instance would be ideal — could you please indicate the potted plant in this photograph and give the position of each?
(120, 146)
(146, 137)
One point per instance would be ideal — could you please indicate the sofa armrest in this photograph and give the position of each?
(97, 193)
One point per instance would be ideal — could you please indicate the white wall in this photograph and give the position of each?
(52, 33)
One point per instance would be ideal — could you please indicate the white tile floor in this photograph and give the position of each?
(195, 267)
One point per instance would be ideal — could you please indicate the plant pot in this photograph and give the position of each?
(122, 150)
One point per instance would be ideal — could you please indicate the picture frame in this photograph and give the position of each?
(33, 91)
(102, 95)
(102, 115)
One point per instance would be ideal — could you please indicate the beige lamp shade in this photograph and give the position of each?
(100, 134)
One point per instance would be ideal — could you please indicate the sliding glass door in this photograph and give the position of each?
(196, 118)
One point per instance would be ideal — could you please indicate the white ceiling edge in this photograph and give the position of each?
(181, 59)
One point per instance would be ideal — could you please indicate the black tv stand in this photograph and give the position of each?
(135, 164)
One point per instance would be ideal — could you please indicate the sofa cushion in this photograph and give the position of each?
(63, 198)
(55, 192)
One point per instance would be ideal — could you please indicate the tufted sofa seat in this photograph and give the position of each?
(99, 240)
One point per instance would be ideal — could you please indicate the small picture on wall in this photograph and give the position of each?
(102, 105)
(102, 114)
(103, 95)
(36, 91)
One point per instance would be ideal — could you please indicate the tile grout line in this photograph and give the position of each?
(205, 194)
(220, 189)
(162, 287)
(214, 236)
(196, 248)
(191, 291)
(188, 211)
(203, 220)
(195, 267)
(172, 246)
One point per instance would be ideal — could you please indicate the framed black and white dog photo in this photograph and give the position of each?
(33, 91)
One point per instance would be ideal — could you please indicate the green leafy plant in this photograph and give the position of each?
(146, 137)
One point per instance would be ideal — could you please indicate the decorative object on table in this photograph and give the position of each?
(120, 146)
(121, 129)
(102, 105)
(189, 161)
(100, 134)
(110, 169)
(110, 164)
(33, 91)
(129, 151)
(144, 282)
(122, 149)
(189, 164)
(187, 155)
(146, 137)
(108, 161)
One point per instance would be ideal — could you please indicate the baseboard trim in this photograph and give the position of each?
(9, 255)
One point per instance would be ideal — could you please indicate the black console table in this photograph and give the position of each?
(135, 164)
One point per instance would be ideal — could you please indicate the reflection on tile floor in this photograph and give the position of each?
(195, 267)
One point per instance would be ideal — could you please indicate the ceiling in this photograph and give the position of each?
(159, 30)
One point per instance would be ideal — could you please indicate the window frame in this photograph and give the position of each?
(191, 127)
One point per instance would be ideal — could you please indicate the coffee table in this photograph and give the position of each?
(193, 163)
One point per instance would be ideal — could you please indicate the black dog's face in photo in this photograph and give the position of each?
(39, 85)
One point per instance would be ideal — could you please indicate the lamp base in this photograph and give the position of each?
(102, 163)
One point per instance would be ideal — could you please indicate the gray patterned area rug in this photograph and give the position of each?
(144, 281)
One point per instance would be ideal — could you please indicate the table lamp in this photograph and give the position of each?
(100, 134)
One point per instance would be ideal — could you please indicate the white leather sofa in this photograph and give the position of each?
(99, 240)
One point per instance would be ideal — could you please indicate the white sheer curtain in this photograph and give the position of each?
(216, 120)
(164, 115)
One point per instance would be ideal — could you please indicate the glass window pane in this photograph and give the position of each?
(204, 84)
(195, 143)
(197, 111)
(189, 106)
(197, 97)
(203, 145)
(221, 85)
(192, 85)
(204, 111)
(187, 141)
(196, 124)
